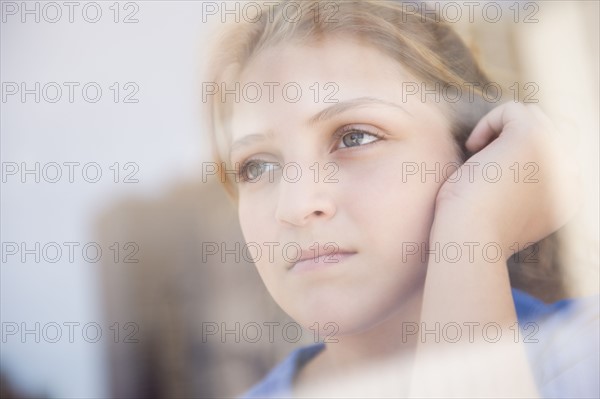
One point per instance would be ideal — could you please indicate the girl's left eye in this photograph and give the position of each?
(353, 137)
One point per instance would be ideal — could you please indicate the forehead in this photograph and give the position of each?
(290, 83)
(333, 58)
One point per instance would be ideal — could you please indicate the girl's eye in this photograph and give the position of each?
(353, 137)
(252, 170)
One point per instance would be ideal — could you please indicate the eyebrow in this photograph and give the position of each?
(340, 107)
(321, 116)
(251, 139)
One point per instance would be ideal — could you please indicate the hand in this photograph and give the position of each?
(538, 190)
(523, 187)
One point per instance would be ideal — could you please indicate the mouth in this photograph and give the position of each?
(319, 258)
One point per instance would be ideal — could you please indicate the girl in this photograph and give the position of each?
(363, 144)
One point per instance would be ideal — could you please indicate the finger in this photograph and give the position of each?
(492, 125)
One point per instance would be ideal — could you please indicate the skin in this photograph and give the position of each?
(359, 212)
(372, 209)
(478, 290)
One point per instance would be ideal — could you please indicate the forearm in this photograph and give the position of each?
(469, 295)
(472, 286)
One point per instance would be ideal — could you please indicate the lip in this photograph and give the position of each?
(319, 258)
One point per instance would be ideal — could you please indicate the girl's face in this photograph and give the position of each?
(344, 173)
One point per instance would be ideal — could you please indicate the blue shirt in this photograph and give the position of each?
(563, 348)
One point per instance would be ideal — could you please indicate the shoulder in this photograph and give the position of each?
(562, 341)
(278, 383)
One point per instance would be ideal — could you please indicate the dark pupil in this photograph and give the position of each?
(252, 170)
(352, 139)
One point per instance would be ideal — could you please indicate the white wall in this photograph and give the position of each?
(161, 134)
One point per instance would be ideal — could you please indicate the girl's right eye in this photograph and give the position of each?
(251, 171)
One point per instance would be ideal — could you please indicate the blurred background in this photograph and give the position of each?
(106, 286)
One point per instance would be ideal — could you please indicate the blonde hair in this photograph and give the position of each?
(423, 44)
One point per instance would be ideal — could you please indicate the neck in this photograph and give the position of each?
(388, 345)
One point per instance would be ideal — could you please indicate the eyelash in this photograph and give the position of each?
(240, 171)
(340, 133)
(337, 136)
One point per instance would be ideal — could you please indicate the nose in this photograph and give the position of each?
(304, 199)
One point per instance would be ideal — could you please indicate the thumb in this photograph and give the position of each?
(492, 125)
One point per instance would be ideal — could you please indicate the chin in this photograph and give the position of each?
(336, 315)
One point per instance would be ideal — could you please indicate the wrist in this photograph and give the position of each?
(467, 239)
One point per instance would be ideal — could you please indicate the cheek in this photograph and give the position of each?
(394, 202)
(252, 217)
(395, 209)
